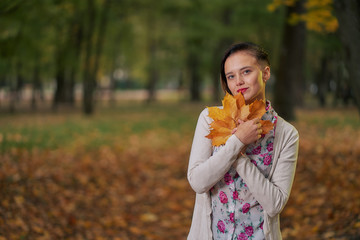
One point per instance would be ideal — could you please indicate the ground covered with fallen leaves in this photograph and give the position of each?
(121, 174)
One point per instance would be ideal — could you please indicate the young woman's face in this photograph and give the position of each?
(244, 74)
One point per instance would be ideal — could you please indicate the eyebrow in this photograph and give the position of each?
(239, 69)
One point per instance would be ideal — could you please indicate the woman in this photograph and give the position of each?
(242, 186)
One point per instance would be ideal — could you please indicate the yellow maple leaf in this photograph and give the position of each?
(234, 109)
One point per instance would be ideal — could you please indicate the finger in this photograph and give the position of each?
(240, 121)
(234, 130)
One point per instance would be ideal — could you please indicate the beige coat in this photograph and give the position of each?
(272, 193)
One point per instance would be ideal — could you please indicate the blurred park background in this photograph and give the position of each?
(99, 100)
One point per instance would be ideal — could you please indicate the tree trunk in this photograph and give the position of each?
(223, 44)
(36, 88)
(195, 78)
(92, 61)
(152, 48)
(75, 43)
(88, 84)
(348, 14)
(322, 81)
(19, 82)
(12, 97)
(59, 95)
(290, 75)
(112, 98)
(67, 58)
(16, 89)
(152, 71)
(215, 75)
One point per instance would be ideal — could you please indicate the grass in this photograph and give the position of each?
(54, 130)
(115, 125)
(329, 118)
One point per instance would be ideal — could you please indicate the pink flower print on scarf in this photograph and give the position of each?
(223, 197)
(256, 151)
(268, 106)
(254, 162)
(267, 160)
(249, 231)
(235, 195)
(270, 147)
(232, 217)
(221, 226)
(242, 236)
(246, 208)
(228, 179)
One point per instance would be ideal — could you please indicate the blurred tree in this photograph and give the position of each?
(348, 13)
(289, 77)
(152, 50)
(152, 20)
(222, 13)
(194, 25)
(37, 91)
(316, 15)
(23, 38)
(148, 44)
(325, 68)
(94, 40)
(119, 51)
(10, 40)
(69, 31)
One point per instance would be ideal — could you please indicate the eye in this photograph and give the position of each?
(246, 72)
(229, 77)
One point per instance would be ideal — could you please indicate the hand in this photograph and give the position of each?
(249, 131)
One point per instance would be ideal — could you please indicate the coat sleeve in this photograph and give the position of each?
(205, 169)
(273, 194)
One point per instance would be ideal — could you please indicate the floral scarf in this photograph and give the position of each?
(235, 212)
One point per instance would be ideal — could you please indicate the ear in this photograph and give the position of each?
(266, 73)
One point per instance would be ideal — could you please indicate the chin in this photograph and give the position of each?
(246, 97)
(249, 100)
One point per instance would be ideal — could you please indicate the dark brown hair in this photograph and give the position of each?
(252, 49)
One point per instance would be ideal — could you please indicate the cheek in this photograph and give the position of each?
(259, 78)
(258, 81)
(232, 88)
(228, 83)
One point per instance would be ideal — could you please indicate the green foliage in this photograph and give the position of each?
(26, 35)
(34, 32)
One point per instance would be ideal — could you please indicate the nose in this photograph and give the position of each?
(239, 79)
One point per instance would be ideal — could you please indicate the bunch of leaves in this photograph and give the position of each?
(227, 118)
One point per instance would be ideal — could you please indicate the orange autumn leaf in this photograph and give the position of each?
(234, 109)
(257, 110)
(266, 126)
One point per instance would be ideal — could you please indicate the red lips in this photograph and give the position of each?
(242, 90)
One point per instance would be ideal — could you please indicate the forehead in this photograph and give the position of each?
(239, 60)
